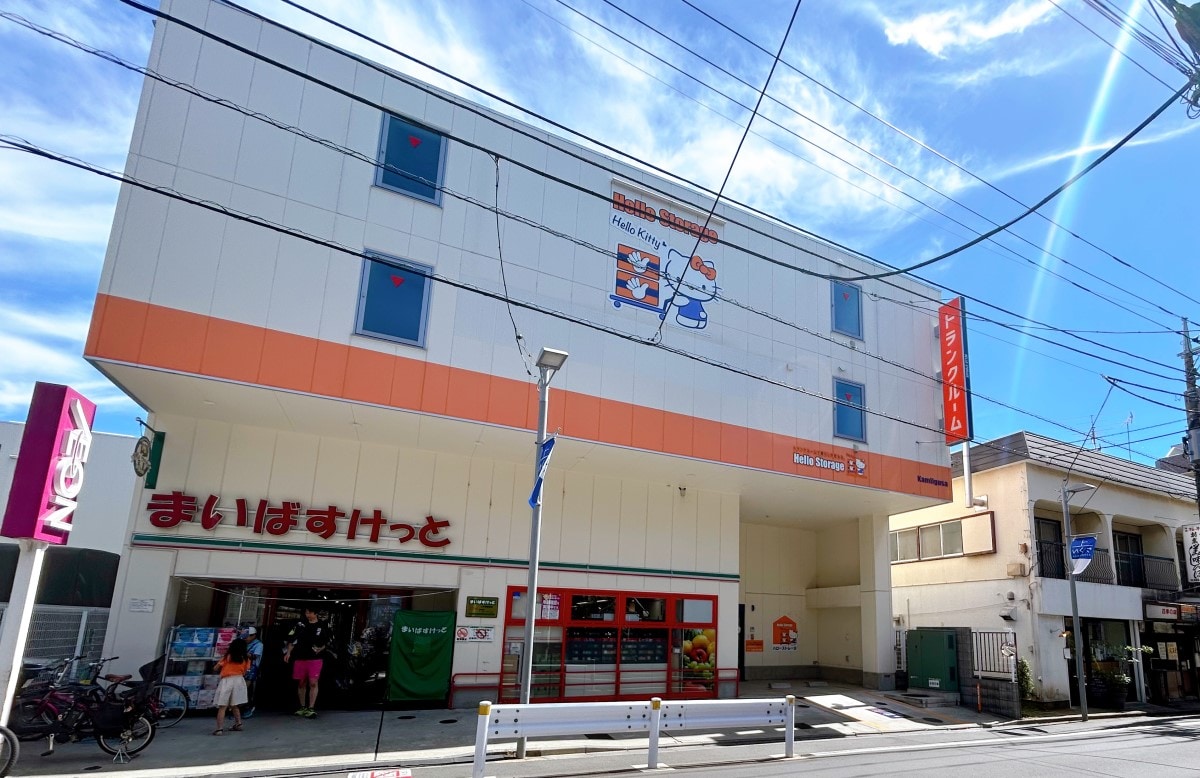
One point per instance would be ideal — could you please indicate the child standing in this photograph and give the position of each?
(231, 689)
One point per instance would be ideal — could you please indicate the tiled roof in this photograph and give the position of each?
(1082, 462)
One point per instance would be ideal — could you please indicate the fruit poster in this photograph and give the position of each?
(699, 654)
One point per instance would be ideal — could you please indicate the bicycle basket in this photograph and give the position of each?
(109, 718)
(153, 671)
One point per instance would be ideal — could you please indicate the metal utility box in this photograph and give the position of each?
(932, 659)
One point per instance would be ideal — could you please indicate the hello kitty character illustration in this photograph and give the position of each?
(692, 282)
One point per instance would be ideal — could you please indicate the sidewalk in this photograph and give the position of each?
(277, 744)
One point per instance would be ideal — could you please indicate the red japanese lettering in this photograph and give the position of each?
(243, 514)
(407, 531)
(373, 521)
(280, 520)
(430, 530)
(210, 515)
(323, 521)
(169, 510)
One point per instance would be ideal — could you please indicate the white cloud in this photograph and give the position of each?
(965, 27)
(1045, 160)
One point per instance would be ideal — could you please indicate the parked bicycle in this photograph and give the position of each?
(10, 749)
(168, 702)
(70, 712)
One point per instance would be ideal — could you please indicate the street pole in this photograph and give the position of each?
(1191, 401)
(1076, 625)
(549, 361)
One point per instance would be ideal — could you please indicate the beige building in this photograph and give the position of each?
(1000, 563)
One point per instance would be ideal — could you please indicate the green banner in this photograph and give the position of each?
(422, 651)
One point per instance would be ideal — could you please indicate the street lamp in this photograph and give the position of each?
(1068, 491)
(549, 362)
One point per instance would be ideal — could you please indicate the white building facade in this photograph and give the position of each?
(1000, 565)
(349, 418)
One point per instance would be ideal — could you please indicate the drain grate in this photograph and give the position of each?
(448, 721)
(600, 736)
(405, 718)
(932, 720)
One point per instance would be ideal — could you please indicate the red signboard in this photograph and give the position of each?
(956, 383)
(175, 508)
(49, 474)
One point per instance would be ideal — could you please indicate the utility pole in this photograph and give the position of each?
(1191, 401)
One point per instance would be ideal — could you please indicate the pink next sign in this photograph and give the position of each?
(50, 465)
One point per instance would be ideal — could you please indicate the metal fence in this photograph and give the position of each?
(995, 654)
(58, 632)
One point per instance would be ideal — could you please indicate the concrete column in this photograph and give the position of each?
(875, 584)
(138, 637)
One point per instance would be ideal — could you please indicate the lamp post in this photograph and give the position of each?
(549, 362)
(1069, 491)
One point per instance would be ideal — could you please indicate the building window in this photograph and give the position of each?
(849, 418)
(412, 159)
(847, 309)
(393, 301)
(932, 541)
(904, 545)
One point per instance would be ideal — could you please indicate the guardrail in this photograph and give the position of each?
(651, 717)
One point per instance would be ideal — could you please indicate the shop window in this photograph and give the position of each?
(849, 418)
(847, 309)
(394, 300)
(694, 611)
(645, 609)
(587, 607)
(412, 159)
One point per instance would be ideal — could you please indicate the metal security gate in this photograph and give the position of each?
(59, 632)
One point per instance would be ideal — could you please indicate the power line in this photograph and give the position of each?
(917, 141)
(29, 148)
(148, 73)
(616, 151)
(862, 170)
(729, 171)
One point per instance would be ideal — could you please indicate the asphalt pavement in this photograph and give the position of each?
(349, 741)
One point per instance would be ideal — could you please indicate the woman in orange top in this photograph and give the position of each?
(231, 689)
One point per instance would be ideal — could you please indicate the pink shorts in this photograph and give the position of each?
(306, 670)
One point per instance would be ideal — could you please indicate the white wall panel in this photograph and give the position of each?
(185, 277)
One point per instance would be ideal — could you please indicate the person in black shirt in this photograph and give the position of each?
(306, 644)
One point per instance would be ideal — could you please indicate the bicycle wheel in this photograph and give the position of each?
(170, 703)
(10, 749)
(136, 735)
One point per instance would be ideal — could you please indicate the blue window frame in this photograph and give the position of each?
(393, 300)
(849, 418)
(847, 309)
(412, 159)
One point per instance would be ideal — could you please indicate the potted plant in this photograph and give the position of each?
(1118, 689)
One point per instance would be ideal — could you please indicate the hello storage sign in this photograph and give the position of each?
(261, 517)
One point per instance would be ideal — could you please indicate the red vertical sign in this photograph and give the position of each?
(956, 384)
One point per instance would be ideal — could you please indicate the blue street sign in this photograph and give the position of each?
(535, 497)
(1083, 547)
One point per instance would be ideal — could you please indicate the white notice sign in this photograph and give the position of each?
(140, 605)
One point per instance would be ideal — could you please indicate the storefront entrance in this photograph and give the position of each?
(354, 674)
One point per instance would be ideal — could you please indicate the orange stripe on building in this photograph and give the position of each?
(154, 336)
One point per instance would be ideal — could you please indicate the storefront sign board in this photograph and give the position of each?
(783, 634)
(50, 466)
(1191, 550)
(1158, 612)
(754, 646)
(956, 382)
(482, 607)
(474, 634)
(173, 509)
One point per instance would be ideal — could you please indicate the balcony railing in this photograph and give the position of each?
(1147, 572)
(1052, 564)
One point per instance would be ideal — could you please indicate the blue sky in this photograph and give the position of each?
(1018, 93)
